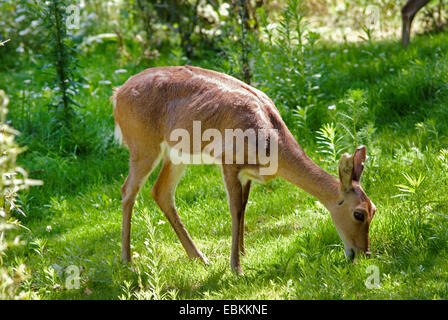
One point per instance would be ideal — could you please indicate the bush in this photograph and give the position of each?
(12, 179)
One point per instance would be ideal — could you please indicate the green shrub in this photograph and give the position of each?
(12, 179)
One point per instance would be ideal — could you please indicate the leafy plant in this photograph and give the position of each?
(291, 30)
(12, 179)
(426, 133)
(61, 49)
(245, 49)
(443, 157)
(301, 116)
(354, 113)
(435, 16)
(286, 71)
(329, 143)
(149, 271)
(413, 190)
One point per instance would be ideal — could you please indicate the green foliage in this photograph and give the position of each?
(329, 144)
(443, 157)
(12, 179)
(413, 188)
(435, 16)
(244, 16)
(285, 69)
(19, 22)
(62, 50)
(354, 114)
(149, 269)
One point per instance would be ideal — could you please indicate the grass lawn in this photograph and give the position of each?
(292, 248)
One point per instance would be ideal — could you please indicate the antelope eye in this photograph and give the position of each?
(359, 215)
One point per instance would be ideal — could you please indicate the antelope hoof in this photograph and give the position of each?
(200, 257)
(236, 268)
(238, 271)
(204, 260)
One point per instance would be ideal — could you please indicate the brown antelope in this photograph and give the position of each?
(153, 104)
(408, 12)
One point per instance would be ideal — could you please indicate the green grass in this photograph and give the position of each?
(293, 250)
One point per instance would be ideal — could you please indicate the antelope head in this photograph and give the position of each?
(354, 211)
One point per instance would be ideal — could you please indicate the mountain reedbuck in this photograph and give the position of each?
(156, 107)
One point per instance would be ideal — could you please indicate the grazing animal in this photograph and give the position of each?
(192, 101)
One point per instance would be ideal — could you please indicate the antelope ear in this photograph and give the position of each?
(359, 157)
(346, 171)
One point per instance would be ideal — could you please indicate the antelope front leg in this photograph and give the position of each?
(245, 197)
(235, 197)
